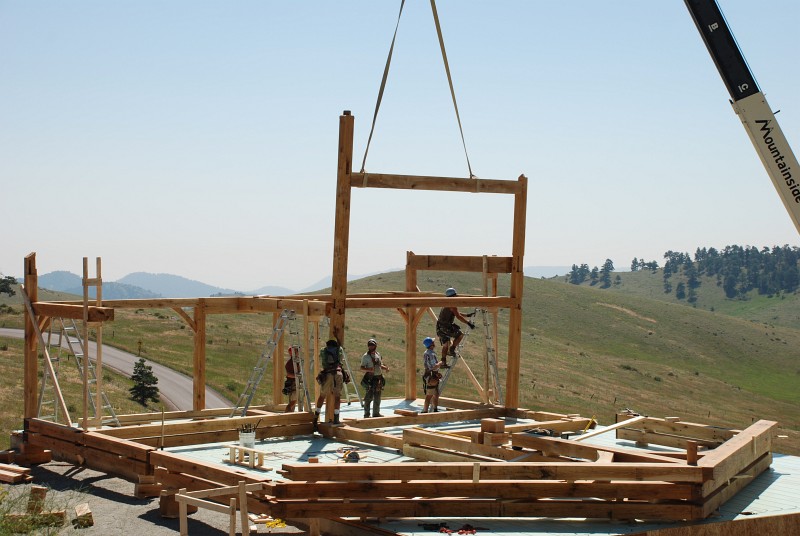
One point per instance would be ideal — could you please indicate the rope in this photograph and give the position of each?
(383, 85)
(449, 81)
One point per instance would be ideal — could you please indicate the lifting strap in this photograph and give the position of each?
(449, 81)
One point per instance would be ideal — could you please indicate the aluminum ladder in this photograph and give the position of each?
(261, 365)
(77, 348)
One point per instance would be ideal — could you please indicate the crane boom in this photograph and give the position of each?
(749, 104)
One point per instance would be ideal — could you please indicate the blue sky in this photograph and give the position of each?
(199, 138)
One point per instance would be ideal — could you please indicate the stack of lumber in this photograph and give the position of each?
(14, 474)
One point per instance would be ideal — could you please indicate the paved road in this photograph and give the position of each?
(174, 387)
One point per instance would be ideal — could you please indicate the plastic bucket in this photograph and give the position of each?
(247, 439)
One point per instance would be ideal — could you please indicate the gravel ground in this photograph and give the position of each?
(114, 508)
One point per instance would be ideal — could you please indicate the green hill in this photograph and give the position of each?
(584, 350)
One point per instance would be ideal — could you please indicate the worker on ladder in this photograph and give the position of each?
(373, 381)
(331, 378)
(448, 331)
(290, 385)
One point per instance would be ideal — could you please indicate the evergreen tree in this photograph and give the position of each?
(5, 285)
(144, 383)
(680, 291)
(634, 264)
(594, 276)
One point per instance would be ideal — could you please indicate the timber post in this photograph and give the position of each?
(517, 284)
(31, 356)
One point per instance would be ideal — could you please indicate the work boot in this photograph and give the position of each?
(336, 418)
(366, 415)
(453, 352)
(378, 415)
(316, 424)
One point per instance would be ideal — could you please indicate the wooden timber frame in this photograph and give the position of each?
(516, 463)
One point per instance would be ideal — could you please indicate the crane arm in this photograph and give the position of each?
(750, 104)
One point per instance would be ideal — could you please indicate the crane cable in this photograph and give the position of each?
(449, 81)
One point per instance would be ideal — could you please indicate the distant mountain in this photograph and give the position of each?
(272, 291)
(61, 281)
(173, 286)
(326, 282)
(116, 291)
(545, 271)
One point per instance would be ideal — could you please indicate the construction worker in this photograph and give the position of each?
(373, 381)
(448, 331)
(330, 378)
(432, 375)
(290, 385)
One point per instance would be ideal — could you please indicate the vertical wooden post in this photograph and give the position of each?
(98, 359)
(411, 332)
(199, 357)
(31, 281)
(341, 236)
(278, 359)
(85, 357)
(517, 283)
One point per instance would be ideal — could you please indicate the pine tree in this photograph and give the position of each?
(144, 383)
(5, 285)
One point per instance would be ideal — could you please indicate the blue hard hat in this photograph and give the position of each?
(450, 292)
(427, 342)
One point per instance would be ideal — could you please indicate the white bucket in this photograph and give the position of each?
(247, 439)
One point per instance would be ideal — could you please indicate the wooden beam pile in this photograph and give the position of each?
(539, 476)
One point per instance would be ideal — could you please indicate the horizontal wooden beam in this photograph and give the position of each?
(459, 263)
(74, 311)
(499, 489)
(668, 472)
(504, 302)
(445, 184)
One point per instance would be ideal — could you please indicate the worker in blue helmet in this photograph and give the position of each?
(447, 330)
(430, 380)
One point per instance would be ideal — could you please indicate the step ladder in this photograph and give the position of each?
(456, 359)
(261, 365)
(356, 395)
(72, 335)
(491, 356)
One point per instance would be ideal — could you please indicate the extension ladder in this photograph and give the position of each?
(456, 359)
(490, 355)
(303, 396)
(55, 360)
(261, 365)
(70, 332)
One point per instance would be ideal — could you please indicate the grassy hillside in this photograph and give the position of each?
(584, 350)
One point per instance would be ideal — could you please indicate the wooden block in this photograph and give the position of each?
(493, 425)
(406, 412)
(36, 499)
(83, 516)
(168, 506)
(495, 440)
(143, 491)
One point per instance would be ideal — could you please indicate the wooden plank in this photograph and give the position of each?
(426, 418)
(129, 449)
(472, 508)
(731, 487)
(459, 263)
(552, 446)
(499, 489)
(430, 183)
(55, 310)
(704, 432)
(366, 436)
(613, 427)
(644, 437)
(737, 453)
(438, 301)
(232, 423)
(427, 453)
(495, 471)
(458, 444)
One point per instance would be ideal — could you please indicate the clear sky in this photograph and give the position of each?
(199, 138)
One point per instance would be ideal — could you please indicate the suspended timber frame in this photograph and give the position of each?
(415, 304)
